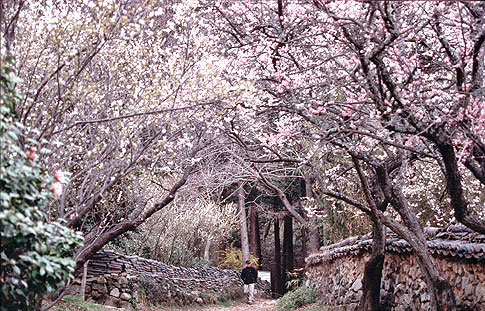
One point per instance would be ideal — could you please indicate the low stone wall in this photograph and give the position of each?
(122, 281)
(337, 271)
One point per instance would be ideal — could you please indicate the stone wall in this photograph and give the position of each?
(122, 281)
(460, 254)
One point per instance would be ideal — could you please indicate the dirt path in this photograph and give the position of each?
(258, 305)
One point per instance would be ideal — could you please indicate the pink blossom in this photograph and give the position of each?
(315, 111)
(238, 8)
(346, 112)
(60, 177)
(56, 188)
(31, 153)
(409, 143)
(284, 50)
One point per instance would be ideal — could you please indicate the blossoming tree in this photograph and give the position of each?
(127, 96)
(391, 84)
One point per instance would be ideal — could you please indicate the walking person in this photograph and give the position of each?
(249, 275)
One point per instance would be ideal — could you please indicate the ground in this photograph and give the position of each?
(70, 303)
(258, 305)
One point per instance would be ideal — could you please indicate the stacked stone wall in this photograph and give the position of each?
(403, 287)
(338, 272)
(123, 281)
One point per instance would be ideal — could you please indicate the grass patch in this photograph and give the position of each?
(224, 303)
(74, 303)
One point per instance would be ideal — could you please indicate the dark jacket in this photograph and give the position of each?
(249, 275)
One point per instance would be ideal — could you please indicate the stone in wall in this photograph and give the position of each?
(115, 290)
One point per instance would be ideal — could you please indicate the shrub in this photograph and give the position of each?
(301, 296)
(232, 258)
(151, 291)
(35, 254)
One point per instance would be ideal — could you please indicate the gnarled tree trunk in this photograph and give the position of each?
(371, 282)
(440, 290)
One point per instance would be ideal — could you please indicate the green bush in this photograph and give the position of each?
(35, 254)
(301, 296)
(151, 291)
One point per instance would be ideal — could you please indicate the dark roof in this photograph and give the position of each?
(455, 240)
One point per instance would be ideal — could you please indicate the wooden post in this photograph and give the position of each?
(83, 281)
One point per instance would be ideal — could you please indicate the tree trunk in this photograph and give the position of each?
(440, 290)
(304, 244)
(255, 238)
(278, 282)
(259, 251)
(207, 249)
(288, 255)
(94, 242)
(312, 230)
(222, 249)
(241, 202)
(442, 296)
(455, 188)
(371, 282)
(313, 239)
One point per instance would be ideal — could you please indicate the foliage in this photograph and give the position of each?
(405, 89)
(221, 298)
(150, 291)
(177, 251)
(232, 258)
(304, 294)
(35, 253)
(294, 282)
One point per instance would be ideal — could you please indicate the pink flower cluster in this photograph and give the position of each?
(285, 132)
(475, 112)
(56, 187)
(319, 107)
(60, 176)
(31, 152)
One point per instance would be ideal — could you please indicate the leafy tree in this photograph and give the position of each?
(36, 254)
